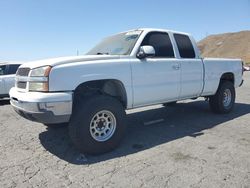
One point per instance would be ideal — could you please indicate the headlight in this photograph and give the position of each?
(39, 79)
(38, 86)
(40, 72)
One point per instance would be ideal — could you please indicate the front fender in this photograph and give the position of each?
(69, 77)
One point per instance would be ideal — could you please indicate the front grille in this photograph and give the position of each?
(23, 72)
(21, 85)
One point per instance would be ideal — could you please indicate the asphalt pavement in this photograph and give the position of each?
(181, 146)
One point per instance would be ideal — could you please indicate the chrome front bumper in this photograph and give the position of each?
(47, 108)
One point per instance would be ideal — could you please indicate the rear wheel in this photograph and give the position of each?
(97, 124)
(224, 99)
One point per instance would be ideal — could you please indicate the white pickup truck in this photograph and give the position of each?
(128, 70)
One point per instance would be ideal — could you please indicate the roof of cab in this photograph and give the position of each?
(163, 30)
(11, 63)
(160, 30)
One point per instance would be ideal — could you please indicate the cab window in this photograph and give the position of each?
(185, 46)
(161, 43)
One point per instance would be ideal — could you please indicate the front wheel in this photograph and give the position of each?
(223, 101)
(97, 124)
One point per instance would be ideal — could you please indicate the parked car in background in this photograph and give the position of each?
(7, 77)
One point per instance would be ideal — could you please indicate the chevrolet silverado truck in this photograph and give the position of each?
(128, 70)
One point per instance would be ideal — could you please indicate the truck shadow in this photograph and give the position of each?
(185, 119)
(4, 102)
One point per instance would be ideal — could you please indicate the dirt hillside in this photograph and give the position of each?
(228, 45)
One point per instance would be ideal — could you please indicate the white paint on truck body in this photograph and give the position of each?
(146, 81)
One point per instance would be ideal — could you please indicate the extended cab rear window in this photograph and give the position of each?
(185, 46)
(161, 43)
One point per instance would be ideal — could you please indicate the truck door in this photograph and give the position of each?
(191, 68)
(156, 79)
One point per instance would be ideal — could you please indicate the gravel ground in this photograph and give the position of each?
(188, 147)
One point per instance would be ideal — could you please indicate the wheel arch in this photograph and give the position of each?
(112, 87)
(228, 76)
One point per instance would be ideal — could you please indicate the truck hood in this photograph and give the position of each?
(64, 60)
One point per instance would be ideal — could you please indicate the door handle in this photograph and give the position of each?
(176, 67)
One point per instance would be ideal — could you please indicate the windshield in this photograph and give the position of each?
(120, 44)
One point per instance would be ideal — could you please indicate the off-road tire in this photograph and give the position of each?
(84, 110)
(218, 103)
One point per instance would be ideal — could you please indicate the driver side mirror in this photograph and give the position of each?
(146, 51)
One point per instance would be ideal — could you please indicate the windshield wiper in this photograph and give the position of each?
(99, 53)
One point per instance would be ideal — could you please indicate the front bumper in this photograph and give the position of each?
(46, 108)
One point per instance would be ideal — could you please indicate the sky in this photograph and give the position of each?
(39, 29)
